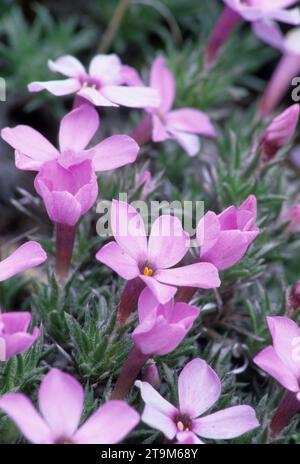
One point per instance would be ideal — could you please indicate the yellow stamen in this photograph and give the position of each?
(148, 271)
(180, 426)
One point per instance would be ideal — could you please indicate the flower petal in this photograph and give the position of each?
(133, 97)
(159, 130)
(129, 230)
(95, 96)
(168, 242)
(291, 16)
(113, 256)
(208, 231)
(286, 341)
(146, 303)
(159, 421)
(15, 322)
(28, 255)
(190, 120)
(22, 412)
(268, 361)
(62, 207)
(162, 79)
(153, 399)
(227, 423)
(29, 143)
(199, 387)
(19, 342)
(189, 142)
(188, 438)
(114, 152)
(78, 127)
(67, 65)
(61, 402)
(163, 293)
(201, 275)
(106, 68)
(108, 425)
(58, 88)
(269, 32)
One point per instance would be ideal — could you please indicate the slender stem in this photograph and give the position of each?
(65, 236)
(185, 294)
(113, 25)
(129, 299)
(222, 30)
(287, 409)
(130, 370)
(287, 69)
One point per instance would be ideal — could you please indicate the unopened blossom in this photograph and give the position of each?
(199, 387)
(279, 132)
(254, 11)
(162, 327)
(14, 334)
(27, 256)
(183, 125)
(224, 238)
(102, 84)
(281, 360)
(77, 128)
(150, 374)
(292, 216)
(288, 67)
(132, 256)
(68, 193)
(61, 401)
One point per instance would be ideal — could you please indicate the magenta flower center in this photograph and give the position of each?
(87, 81)
(183, 422)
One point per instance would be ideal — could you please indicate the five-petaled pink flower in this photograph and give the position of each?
(161, 327)
(279, 132)
(132, 256)
(282, 359)
(101, 85)
(14, 335)
(225, 238)
(77, 129)
(61, 399)
(28, 255)
(183, 125)
(199, 388)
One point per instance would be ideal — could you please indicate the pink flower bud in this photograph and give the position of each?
(150, 374)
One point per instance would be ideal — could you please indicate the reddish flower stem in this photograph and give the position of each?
(129, 299)
(65, 237)
(222, 30)
(142, 133)
(287, 409)
(129, 372)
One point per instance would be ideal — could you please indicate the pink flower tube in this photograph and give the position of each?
(199, 388)
(254, 11)
(102, 85)
(14, 335)
(61, 401)
(288, 67)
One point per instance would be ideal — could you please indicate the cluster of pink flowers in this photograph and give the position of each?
(154, 267)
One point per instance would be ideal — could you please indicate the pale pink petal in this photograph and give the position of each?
(159, 129)
(95, 96)
(146, 303)
(163, 293)
(162, 79)
(133, 97)
(58, 88)
(67, 65)
(129, 230)
(199, 387)
(189, 142)
(227, 423)
(29, 143)
(19, 342)
(168, 242)
(29, 255)
(108, 425)
(106, 68)
(114, 152)
(291, 16)
(22, 412)
(286, 341)
(269, 32)
(268, 361)
(26, 163)
(208, 231)
(61, 401)
(153, 399)
(62, 207)
(202, 275)
(78, 127)
(15, 322)
(131, 77)
(159, 421)
(2, 349)
(188, 438)
(113, 256)
(190, 120)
